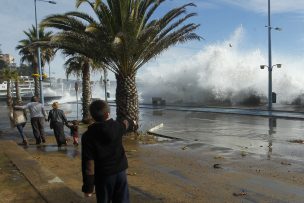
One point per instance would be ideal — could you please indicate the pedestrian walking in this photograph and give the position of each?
(38, 116)
(18, 119)
(57, 121)
(104, 161)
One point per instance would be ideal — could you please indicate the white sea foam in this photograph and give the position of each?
(219, 72)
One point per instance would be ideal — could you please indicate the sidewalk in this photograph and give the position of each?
(37, 183)
(48, 187)
(14, 186)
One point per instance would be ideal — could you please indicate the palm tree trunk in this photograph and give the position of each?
(9, 89)
(36, 81)
(9, 94)
(86, 93)
(18, 95)
(126, 98)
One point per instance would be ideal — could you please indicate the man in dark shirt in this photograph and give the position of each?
(104, 161)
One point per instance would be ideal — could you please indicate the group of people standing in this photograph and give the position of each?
(104, 161)
(38, 116)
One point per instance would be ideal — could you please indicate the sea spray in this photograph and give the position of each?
(221, 73)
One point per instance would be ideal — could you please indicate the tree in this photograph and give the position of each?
(28, 51)
(79, 65)
(2, 62)
(6, 74)
(124, 37)
(16, 78)
(25, 70)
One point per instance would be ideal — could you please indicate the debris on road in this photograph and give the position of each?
(184, 148)
(243, 153)
(285, 163)
(217, 166)
(297, 141)
(132, 174)
(237, 194)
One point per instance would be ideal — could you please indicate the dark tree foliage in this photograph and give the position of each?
(2, 62)
(25, 70)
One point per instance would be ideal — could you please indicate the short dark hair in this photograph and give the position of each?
(34, 99)
(98, 109)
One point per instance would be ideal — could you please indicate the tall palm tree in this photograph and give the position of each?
(6, 74)
(123, 35)
(16, 78)
(28, 51)
(79, 65)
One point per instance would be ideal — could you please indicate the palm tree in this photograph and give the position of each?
(2, 62)
(123, 35)
(6, 74)
(28, 51)
(79, 65)
(16, 78)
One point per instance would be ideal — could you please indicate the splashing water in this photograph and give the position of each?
(221, 72)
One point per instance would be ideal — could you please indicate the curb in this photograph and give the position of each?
(49, 186)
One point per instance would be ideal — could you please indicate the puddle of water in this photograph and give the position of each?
(70, 151)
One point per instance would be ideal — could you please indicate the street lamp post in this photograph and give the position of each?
(269, 61)
(39, 50)
(270, 66)
(105, 83)
(50, 75)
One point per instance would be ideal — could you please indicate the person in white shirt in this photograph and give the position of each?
(38, 116)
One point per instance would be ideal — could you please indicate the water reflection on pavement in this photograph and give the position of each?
(253, 134)
(70, 151)
(263, 136)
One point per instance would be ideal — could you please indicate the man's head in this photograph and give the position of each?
(99, 110)
(35, 99)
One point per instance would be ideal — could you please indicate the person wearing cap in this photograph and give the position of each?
(38, 116)
(57, 120)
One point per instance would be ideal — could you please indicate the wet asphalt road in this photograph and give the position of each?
(256, 134)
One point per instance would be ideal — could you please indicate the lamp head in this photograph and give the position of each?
(262, 66)
(50, 2)
(279, 65)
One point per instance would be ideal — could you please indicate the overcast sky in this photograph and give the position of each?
(218, 18)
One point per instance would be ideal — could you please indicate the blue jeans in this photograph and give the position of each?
(113, 188)
(20, 129)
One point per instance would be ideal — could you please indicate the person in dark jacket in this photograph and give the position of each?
(104, 161)
(57, 120)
